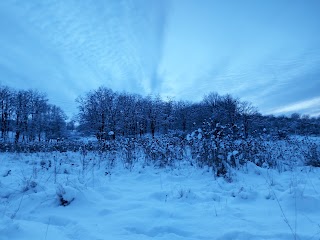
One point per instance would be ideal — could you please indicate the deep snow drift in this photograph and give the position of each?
(144, 202)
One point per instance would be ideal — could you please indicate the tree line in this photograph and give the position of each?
(28, 116)
(108, 114)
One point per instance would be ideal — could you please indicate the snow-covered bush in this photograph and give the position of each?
(224, 147)
(29, 184)
(163, 150)
(66, 195)
(312, 155)
(129, 151)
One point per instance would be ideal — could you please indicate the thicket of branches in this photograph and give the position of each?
(27, 116)
(108, 114)
(105, 114)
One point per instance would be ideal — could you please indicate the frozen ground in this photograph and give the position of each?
(184, 202)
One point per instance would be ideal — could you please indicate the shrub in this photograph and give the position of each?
(66, 195)
(312, 155)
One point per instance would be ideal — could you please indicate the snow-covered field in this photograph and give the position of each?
(144, 202)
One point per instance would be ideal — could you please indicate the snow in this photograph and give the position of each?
(144, 202)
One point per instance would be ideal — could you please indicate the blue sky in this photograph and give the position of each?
(265, 52)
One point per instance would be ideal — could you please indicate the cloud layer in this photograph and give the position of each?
(267, 53)
(68, 47)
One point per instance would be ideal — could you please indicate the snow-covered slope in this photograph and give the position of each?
(183, 202)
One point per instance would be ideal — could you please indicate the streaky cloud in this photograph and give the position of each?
(310, 104)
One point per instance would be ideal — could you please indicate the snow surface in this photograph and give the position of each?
(143, 202)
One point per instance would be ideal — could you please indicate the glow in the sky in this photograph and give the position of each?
(266, 52)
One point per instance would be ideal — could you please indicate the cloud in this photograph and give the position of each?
(264, 53)
(312, 105)
(76, 46)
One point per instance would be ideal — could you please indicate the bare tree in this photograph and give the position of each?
(97, 113)
(6, 108)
